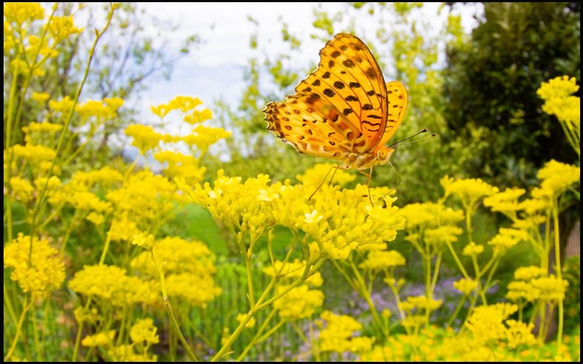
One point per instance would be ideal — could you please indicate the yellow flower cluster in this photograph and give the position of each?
(36, 265)
(293, 270)
(144, 200)
(101, 110)
(490, 324)
(182, 103)
(300, 302)
(33, 153)
(63, 106)
(111, 285)
(533, 284)
(105, 177)
(430, 225)
(19, 13)
(127, 353)
(338, 221)
(144, 332)
(557, 177)
(203, 137)
(382, 260)
(62, 27)
(505, 201)
(101, 339)
(21, 189)
(145, 138)
(184, 262)
(473, 249)
(420, 303)
(468, 190)
(559, 101)
(506, 239)
(465, 286)
(181, 165)
(338, 334)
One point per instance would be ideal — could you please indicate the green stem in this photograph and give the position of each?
(19, 327)
(168, 308)
(259, 305)
(559, 271)
(456, 311)
(457, 260)
(256, 338)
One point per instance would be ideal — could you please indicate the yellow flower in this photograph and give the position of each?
(203, 137)
(34, 153)
(465, 286)
(36, 266)
(339, 334)
(181, 165)
(431, 215)
(111, 284)
(486, 322)
(518, 333)
(105, 176)
(178, 255)
(420, 302)
(293, 270)
(125, 353)
(443, 234)
(249, 324)
(44, 127)
(145, 138)
(198, 116)
(18, 13)
(144, 331)
(22, 189)
(558, 177)
(527, 273)
(506, 239)
(101, 339)
(182, 103)
(146, 242)
(61, 27)
(95, 108)
(378, 260)
(506, 201)
(472, 249)
(96, 218)
(40, 96)
(468, 190)
(63, 106)
(560, 87)
(300, 302)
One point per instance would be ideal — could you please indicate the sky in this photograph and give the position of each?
(214, 68)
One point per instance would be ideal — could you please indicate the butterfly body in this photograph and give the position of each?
(343, 110)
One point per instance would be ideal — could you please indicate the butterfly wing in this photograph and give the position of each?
(397, 106)
(340, 108)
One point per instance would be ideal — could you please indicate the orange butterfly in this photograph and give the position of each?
(343, 110)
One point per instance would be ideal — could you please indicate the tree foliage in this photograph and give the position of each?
(490, 88)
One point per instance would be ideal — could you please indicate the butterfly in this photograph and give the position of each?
(343, 110)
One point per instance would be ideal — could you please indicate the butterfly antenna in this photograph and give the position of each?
(398, 180)
(335, 168)
(413, 136)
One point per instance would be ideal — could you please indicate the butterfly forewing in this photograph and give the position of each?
(342, 108)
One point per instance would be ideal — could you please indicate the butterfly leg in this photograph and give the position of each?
(335, 168)
(368, 178)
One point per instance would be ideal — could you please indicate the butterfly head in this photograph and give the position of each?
(384, 154)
